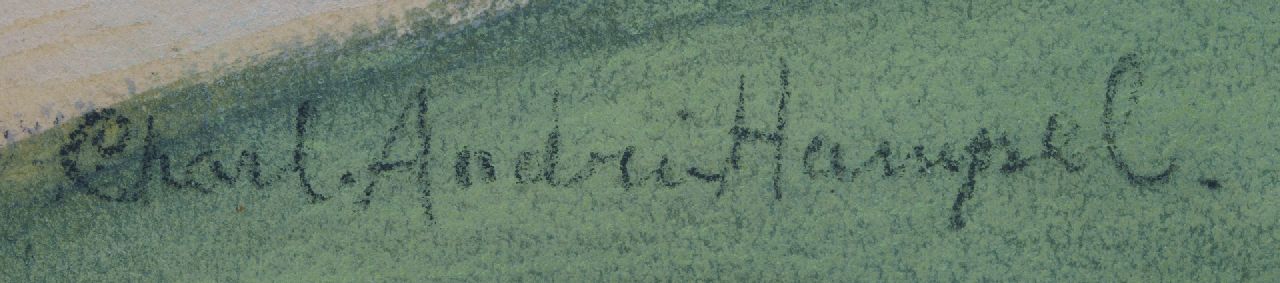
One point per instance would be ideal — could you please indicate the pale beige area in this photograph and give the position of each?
(61, 58)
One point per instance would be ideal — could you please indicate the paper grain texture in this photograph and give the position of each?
(689, 141)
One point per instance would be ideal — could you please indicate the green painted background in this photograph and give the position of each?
(663, 78)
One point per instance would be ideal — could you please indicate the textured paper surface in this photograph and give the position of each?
(62, 58)
(698, 140)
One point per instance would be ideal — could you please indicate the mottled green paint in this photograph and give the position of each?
(663, 78)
